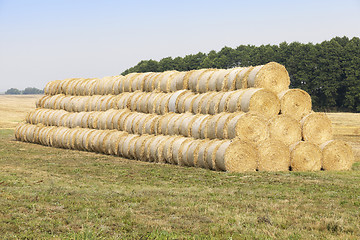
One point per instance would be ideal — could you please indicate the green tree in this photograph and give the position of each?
(32, 90)
(13, 91)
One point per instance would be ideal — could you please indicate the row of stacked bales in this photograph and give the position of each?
(240, 119)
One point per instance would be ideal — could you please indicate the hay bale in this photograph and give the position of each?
(295, 102)
(118, 85)
(224, 102)
(164, 120)
(236, 156)
(214, 103)
(234, 103)
(112, 143)
(201, 154)
(285, 129)
(178, 82)
(183, 99)
(149, 81)
(140, 145)
(274, 156)
(192, 152)
(247, 126)
(176, 149)
(316, 128)
(164, 104)
(189, 102)
(168, 149)
(182, 157)
(185, 127)
(118, 118)
(230, 79)
(178, 122)
(305, 156)
(271, 76)
(153, 102)
(196, 125)
(337, 155)
(194, 78)
(211, 125)
(151, 124)
(205, 102)
(260, 100)
(222, 125)
(165, 82)
(174, 100)
(220, 81)
(210, 154)
(203, 81)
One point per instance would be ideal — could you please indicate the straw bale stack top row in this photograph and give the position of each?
(271, 76)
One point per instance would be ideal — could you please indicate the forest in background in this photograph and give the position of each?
(329, 71)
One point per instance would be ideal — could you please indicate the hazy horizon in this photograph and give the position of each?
(43, 41)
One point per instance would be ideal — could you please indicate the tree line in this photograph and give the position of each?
(329, 71)
(28, 90)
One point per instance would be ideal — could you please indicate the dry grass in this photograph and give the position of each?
(13, 108)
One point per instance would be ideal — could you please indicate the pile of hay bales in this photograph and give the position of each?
(236, 120)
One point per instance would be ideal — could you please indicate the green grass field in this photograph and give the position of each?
(49, 193)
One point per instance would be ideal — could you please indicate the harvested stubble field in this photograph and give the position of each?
(57, 193)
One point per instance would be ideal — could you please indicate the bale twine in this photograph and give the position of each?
(214, 102)
(337, 155)
(211, 125)
(274, 156)
(205, 102)
(295, 102)
(224, 102)
(222, 125)
(203, 81)
(201, 155)
(182, 100)
(182, 157)
(178, 82)
(316, 128)
(305, 156)
(231, 78)
(236, 156)
(285, 129)
(272, 76)
(260, 100)
(174, 100)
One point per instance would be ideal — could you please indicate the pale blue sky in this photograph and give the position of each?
(44, 40)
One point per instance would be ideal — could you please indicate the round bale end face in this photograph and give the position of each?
(274, 156)
(305, 156)
(337, 155)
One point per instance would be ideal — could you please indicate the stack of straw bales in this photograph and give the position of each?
(239, 119)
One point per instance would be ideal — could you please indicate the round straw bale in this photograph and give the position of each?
(148, 86)
(76, 120)
(210, 154)
(272, 76)
(128, 124)
(201, 155)
(112, 144)
(154, 147)
(221, 83)
(178, 122)
(185, 127)
(164, 104)
(196, 124)
(18, 131)
(187, 104)
(222, 125)
(214, 102)
(194, 78)
(157, 103)
(167, 149)
(137, 124)
(144, 102)
(142, 79)
(285, 129)
(217, 79)
(48, 87)
(117, 85)
(139, 146)
(102, 148)
(193, 152)
(118, 118)
(203, 81)
(182, 157)
(125, 146)
(224, 101)
(140, 100)
(305, 156)
(274, 156)
(73, 136)
(337, 155)
(128, 81)
(260, 100)
(178, 82)
(234, 101)
(236, 156)
(204, 104)
(146, 154)
(174, 100)
(160, 149)
(173, 127)
(152, 101)
(151, 125)
(123, 120)
(316, 128)
(135, 82)
(211, 125)
(110, 118)
(39, 103)
(175, 150)
(162, 124)
(121, 100)
(132, 148)
(231, 78)
(180, 108)
(132, 102)
(295, 102)
(165, 82)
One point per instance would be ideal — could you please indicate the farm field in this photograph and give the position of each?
(58, 193)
